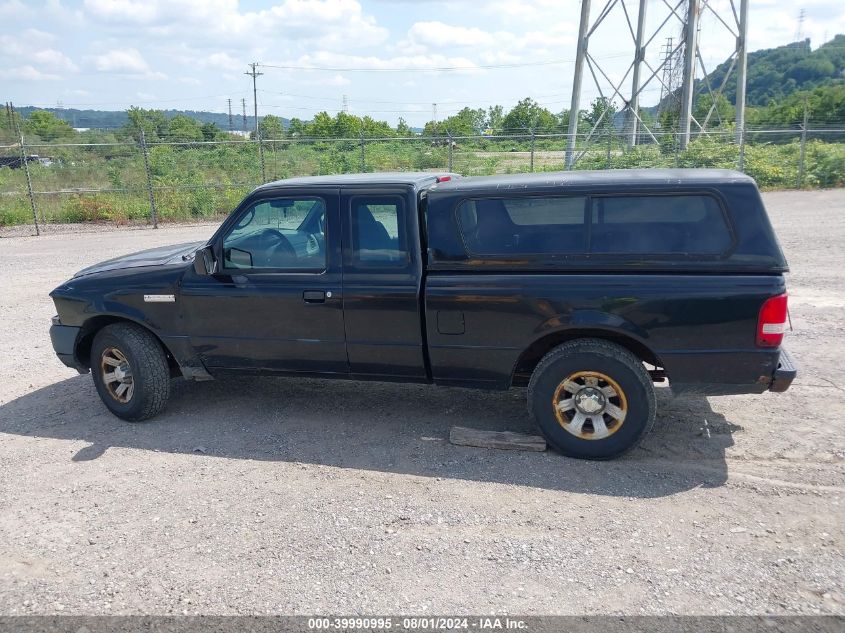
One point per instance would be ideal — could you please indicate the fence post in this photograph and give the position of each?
(803, 150)
(677, 145)
(532, 150)
(153, 211)
(29, 185)
(261, 158)
(609, 139)
(742, 149)
(363, 153)
(451, 158)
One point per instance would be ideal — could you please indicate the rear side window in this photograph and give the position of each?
(652, 224)
(523, 225)
(658, 225)
(378, 232)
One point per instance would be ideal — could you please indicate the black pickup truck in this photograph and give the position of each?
(586, 287)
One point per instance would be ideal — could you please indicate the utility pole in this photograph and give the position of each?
(230, 114)
(742, 67)
(690, 37)
(575, 105)
(639, 55)
(255, 74)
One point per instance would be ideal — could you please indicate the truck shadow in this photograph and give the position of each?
(379, 427)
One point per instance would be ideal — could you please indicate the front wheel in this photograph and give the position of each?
(130, 371)
(592, 399)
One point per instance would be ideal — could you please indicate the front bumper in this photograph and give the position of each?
(63, 338)
(784, 374)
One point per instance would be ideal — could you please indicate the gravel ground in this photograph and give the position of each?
(299, 496)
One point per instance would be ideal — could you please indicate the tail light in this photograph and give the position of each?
(772, 322)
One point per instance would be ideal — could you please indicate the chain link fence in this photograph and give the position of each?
(55, 185)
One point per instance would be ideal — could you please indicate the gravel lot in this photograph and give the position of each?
(301, 496)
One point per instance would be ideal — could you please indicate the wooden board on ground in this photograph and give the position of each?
(507, 440)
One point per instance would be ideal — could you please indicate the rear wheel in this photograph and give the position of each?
(130, 371)
(592, 399)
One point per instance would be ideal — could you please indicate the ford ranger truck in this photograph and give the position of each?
(586, 287)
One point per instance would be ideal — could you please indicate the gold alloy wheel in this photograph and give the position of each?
(590, 405)
(117, 374)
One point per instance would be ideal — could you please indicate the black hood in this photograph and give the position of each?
(150, 257)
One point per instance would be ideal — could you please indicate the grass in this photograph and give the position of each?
(109, 183)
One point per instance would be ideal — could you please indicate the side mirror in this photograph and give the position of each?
(204, 263)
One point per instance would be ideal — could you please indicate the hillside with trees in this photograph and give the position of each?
(776, 73)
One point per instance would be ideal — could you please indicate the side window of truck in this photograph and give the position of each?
(526, 225)
(278, 234)
(654, 224)
(378, 231)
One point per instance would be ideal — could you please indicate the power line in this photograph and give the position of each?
(406, 69)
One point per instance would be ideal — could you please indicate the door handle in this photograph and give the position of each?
(314, 296)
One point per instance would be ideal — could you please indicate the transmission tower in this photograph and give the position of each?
(231, 127)
(683, 57)
(243, 103)
(799, 30)
(345, 106)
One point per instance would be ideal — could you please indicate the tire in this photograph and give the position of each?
(592, 399)
(123, 347)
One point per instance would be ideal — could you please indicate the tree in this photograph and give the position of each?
(297, 127)
(271, 128)
(723, 112)
(495, 115)
(184, 129)
(601, 113)
(528, 115)
(321, 126)
(47, 126)
(467, 122)
(403, 129)
(152, 122)
(210, 132)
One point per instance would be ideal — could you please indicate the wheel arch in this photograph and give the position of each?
(531, 356)
(90, 328)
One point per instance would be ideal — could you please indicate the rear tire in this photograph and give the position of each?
(592, 399)
(130, 371)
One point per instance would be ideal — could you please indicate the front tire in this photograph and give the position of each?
(130, 371)
(592, 399)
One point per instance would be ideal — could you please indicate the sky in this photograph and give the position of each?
(390, 58)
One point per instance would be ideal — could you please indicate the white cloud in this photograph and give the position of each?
(333, 23)
(27, 73)
(336, 80)
(224, 61)
(126, 61)
(54, 60)
(14, 9)
(438, 34)
(422, 62)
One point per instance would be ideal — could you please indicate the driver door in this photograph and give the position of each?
(275, 302)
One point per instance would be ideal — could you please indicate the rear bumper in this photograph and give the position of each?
(784, 374)
(63, 338)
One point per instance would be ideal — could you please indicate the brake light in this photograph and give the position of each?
(772, 322)
(444, 178)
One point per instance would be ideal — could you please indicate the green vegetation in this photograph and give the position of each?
(200, 171)
(776, 73)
